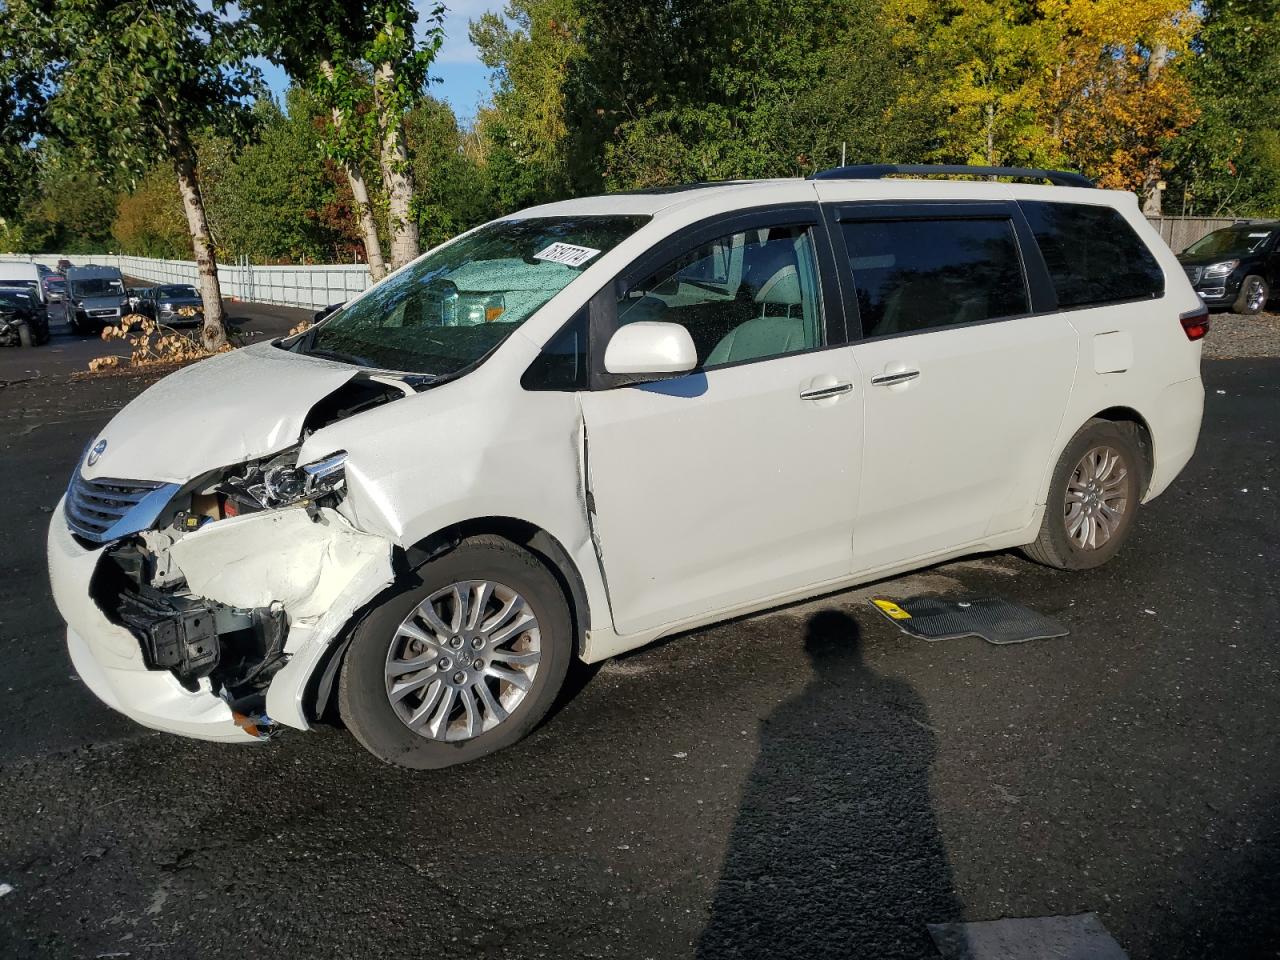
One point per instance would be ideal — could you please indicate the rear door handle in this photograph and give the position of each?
(889, 379)
(823, 393)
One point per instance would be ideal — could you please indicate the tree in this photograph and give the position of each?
(269, 200)
(530, 48)
(454, 190)
(1229, 159)
(137, 79)
(400, 63)
(319, 45)
(149, 220)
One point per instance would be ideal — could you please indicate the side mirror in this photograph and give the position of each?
(650, 346)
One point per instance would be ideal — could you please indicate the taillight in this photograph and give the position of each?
(1195, 323)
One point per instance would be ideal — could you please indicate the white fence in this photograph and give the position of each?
(300, 286)
(319, 286)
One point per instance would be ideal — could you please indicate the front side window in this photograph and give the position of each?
(1092, 253)
(744, 296)
(1231, 242)
(451, 308)
(914, 275)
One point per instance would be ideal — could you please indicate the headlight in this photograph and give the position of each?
(280, 481)
(1221, 269)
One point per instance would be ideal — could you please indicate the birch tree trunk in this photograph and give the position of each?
(360, 198)
(214, 331)
(397, 178)
(1151, 193)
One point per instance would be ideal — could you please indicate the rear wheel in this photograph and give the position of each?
(1093, 498)
(1254, 294)
(465, 660)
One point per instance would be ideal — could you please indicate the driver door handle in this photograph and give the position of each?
(889, 379)
(823, 393)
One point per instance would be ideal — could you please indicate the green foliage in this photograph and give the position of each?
(273, 200)
(149, 221)
(133, 78)
(1229, 161)
(454, 190)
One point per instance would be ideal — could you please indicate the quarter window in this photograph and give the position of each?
(1092, 253)
(913, 275)
(745, 296)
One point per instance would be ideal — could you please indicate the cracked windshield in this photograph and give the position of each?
(450, 309)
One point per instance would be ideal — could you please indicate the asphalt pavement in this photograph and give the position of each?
(805, 783)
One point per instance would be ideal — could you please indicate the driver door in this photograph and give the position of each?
(736, 483)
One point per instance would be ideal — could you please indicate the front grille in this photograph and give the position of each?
(93, 507)
(1194, 273)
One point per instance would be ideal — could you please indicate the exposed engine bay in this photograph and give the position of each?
(247, 564)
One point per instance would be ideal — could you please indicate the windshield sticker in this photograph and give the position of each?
(566, 253)
(1252, 235)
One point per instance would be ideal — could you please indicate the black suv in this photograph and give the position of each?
(1237, 266)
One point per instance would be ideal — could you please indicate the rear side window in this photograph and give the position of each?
(918, 274)
(1093, 255)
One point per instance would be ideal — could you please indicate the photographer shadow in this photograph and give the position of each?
(836, 851)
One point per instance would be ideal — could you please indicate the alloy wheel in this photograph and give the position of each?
(463, 660)
(1255, 296)
(1097, 498)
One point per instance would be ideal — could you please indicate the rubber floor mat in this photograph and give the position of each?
(1081, 937)
(946, 618)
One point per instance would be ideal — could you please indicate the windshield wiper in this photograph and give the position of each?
(339, 356)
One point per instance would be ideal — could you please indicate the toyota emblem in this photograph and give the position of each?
(96, 453)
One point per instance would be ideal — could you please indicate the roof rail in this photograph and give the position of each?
(877, 171)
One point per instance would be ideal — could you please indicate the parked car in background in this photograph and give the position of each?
(602, 421)
(97, 297)
(173, 304)
(63, 265)
(55, 288)
(24, 276)
(324, 312)
(24, 322)
(1237, 267)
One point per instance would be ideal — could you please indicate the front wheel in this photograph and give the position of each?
(1254, 294)
(465, 660)
(1093, 498)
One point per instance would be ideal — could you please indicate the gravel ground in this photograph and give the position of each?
(1232, 335)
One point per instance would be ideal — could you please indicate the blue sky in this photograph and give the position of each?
(464, 80)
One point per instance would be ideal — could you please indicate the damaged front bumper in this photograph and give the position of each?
(177, 659)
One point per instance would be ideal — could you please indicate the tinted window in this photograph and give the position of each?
(1231, 242)
(1093, 254)
(562, 365)
(744, 296)
(917, 274)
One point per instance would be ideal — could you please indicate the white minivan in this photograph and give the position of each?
(594, 423)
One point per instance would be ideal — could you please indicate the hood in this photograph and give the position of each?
(1203, 260)
(230, 408)
(183, 301)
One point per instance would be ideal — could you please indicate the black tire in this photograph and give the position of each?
(362, 692)
(1054, 547)
(25, 338)
(1246, 303)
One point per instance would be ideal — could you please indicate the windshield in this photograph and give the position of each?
(1230, 242)
(96, 287)
(11, 298)
(452, 307)
(20, 284)
(178, 290)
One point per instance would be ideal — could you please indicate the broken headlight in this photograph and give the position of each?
(280, 481)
